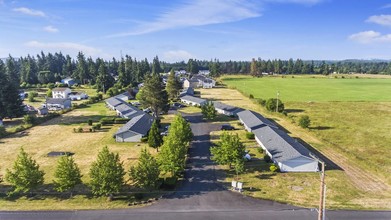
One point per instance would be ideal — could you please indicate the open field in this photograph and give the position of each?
(363, 181)
(57, 135)
(317, 89)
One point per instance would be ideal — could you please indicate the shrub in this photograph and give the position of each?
(50, 85)
(29, 119)
(139, 196)
(267, 158)
(3, 132)
(262, 102)
(144, 139)
(121, 120)
(251, 96)
(304, 121)
(271, 105)
(19, 128)
(100, 96)
(98, 126)
(260, 150)
(107, 121)
(250, 135)
(89, 122)
(273, 168)
(31, 96)
(80, 129)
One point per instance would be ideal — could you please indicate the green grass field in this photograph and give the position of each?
(352, 132)
(306, 89)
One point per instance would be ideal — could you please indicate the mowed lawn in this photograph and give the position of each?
(315, 89)
(355, 134)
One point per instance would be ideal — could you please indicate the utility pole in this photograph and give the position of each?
(322, 202)
(278, 96)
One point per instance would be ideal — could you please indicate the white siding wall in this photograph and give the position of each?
(128, 137)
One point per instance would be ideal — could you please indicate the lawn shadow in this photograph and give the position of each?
(321, 128)
(294, 110)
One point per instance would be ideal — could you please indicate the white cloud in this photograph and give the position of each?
(50, 29)
(65, 46)
(28, 11)
(198, 13)
(177, 55)
(367, 37)
(386, 6)
(306, 2)
(384, 20)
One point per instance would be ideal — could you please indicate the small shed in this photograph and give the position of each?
(43, 111)
(57, 104)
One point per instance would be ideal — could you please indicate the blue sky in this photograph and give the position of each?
(177, 30)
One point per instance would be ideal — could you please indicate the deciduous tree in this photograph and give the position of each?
(173, 86)
(229, 151)
(209, 111)
(67, 174)
(146, 173)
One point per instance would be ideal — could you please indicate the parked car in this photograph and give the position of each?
(164, 133)
(227, 127)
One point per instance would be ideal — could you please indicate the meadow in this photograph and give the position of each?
(352, 133)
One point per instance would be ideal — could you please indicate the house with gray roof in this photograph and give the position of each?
(191, 100)
(193, 83)
(135, 129)
(126, 110)
(225, 109)
(253, 120)
(286, 152)
(187, 91)
(114, 102)
(124, 96)
(57, 104)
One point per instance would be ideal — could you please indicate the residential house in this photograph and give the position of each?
(135, 129)
(187, 91)
(113, 102)
(126, 110)
(78, 96)
(284, 151)
(191, 100)
(126, 96)
(226, 109)
(204, 82)
(57, 104)
(61, 93)
(68, 81)
(192, 83)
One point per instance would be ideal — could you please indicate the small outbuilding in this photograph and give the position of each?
(43, 111)
(57, 104)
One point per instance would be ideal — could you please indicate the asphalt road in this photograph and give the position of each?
(201, 197)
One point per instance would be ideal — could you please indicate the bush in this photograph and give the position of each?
(49, 93)
(267, 158)
(251, 96)
(250, 135)
(100, 96)
(80, 129)
(107, 121)
(271, 105)
(144, 139)
(29, 119)
(50, 85)
(273, 168)
(89, 122)
(260, 150)
(31, 96)
(121, 120)
(3, 132)
(98, 126)
(139, 196)
(304, 121)
(20, 128)
(169, 183)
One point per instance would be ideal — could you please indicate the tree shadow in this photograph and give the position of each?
(294, 110)
(321, 128)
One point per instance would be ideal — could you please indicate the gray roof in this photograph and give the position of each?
(186, 91)
(253, 120)
(113, 101)
(128, 110)
(280, 145)
(193, 99)
(139, 124)
(56, 101)
(225, 107)
(124, 95)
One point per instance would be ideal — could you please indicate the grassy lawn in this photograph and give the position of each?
(355, 135)
(190, 110)
(57, 135)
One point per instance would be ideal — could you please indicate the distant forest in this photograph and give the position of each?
(49, 68)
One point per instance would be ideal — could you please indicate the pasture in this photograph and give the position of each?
(353, 134)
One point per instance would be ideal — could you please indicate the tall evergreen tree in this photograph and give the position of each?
(214, 68)
(156, 68)
(25, 175)
(255, 72)
(104, 80)
(107, 173)
(81, 69)
(67, 174)
(173, 86)
(155, 140)
(154, 95)
(146, 173)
